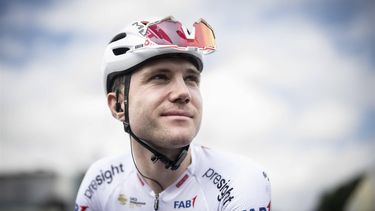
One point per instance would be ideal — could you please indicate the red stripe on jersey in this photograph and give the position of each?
(182, 181)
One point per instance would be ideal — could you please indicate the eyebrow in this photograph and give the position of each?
(156, 70)
(166, 70)
(192, 70)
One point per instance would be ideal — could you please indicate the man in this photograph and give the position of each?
(151, 76)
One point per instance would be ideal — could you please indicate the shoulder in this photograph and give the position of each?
(232, 164)
(109, 163)
(102, 177)
(108, 169)
(238, 181)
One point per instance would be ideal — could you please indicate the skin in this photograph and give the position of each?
(165, 108)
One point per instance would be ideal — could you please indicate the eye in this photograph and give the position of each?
(193, 79)
(159, 77)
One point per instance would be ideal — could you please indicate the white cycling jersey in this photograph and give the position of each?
(213, 181)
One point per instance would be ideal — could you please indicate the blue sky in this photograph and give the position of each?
(290, 86)
(334, 16)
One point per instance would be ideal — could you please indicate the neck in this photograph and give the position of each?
(157, 171)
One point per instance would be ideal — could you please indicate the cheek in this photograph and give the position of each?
(197, 100)
(143, 103)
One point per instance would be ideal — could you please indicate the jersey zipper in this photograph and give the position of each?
(156, 202)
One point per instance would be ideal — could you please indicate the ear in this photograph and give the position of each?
(112, 101)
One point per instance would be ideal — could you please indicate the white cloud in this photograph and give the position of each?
(327, 122)
(302, 85)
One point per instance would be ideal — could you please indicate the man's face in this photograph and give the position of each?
(165, 104)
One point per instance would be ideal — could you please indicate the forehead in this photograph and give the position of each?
(168, 64)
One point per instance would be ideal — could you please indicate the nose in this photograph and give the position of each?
(180, 92)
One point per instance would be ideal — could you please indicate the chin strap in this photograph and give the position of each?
(172, 164)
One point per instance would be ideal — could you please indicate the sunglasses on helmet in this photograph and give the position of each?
(170, 33)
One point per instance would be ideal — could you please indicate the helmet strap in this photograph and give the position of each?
(126, 102)
(169, 164)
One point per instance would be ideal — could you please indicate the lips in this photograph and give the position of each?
(177, 113)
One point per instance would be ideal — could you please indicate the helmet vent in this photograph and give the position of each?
(118, 37)
(119, 51)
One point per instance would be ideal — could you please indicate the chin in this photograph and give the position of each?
(179, 139)
(181, 142)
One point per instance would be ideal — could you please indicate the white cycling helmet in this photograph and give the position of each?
(143, 41)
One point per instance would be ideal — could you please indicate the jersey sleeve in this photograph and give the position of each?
(98, 183)
(253, 192)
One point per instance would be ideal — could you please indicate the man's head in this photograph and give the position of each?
(151, 77)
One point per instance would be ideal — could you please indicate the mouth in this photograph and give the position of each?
(177, 113)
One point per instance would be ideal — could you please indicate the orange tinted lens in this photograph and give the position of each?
(204, 36)
(169, 32)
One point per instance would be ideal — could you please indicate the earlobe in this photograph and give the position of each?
(115, 106)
